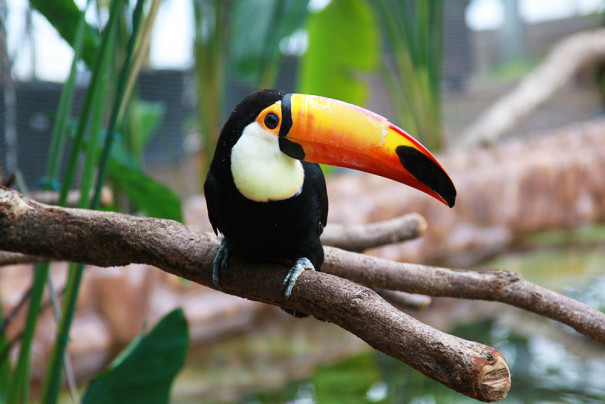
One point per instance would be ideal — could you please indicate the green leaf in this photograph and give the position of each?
(140, 123)
(151, 197)
(145, 375)
(348, 381)
(343, 42)
(255, 47)
(63, 15)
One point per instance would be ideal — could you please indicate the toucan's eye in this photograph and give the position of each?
(271, 121)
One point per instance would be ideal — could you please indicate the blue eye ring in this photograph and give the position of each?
(271, 121)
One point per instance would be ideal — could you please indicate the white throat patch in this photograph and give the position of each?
(261, 171)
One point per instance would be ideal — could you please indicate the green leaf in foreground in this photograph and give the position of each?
(146, 373)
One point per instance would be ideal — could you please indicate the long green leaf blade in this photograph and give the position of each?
(52, 382)
(18, 390)
(57, 146)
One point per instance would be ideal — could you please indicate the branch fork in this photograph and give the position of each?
(471, 368)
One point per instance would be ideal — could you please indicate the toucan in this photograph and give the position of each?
(266, 192)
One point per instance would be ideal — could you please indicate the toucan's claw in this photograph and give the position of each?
(301, 265)
(220, 262)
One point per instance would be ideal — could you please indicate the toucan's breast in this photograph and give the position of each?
(261, 171)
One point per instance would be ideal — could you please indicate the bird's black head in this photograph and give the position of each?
(245, 113)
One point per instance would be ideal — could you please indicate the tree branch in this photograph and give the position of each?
(356, 237)
(12, 258)
(404, 300)
(112, 239)
(360, 237)
(491, 284)
(73, 197)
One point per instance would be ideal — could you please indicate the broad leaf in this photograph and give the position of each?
(151, 197)
(347, 381)
(146, 373)
(343, 43)
(63, 15)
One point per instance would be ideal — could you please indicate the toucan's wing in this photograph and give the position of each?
(212, 194)
(319, 184)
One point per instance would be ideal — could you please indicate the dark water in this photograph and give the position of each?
(543, 371)
(305, 361)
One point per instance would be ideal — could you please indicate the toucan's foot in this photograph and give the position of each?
(220, 262)
(301, 265)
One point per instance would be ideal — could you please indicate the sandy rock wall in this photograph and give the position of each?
(551, 181)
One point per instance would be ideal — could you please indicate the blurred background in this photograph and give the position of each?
(508, 93)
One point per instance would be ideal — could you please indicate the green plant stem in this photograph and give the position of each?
(19, 387)
(59, 136)
(401, 107)
(209, 50)
(92, 94)
(96, 127)
(94, 99)
(52, 384)
(141, 50)
(414, 31)
(117, 106)
(69, 375)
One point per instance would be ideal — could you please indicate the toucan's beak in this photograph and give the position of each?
(327, 131)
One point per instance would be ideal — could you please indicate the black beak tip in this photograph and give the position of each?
(451, 198)
(428, 172)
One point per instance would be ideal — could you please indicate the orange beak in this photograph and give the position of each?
(327, 131)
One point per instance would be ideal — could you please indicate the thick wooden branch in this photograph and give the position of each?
(111, 239)
(356, 237)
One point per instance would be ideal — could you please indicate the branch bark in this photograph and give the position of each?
(356, 237)
(360, 237)
(404, 300)
(112, 239)
(495, 285)
(12, 258)
(73, 197)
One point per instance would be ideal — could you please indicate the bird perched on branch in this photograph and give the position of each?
(265, 191)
